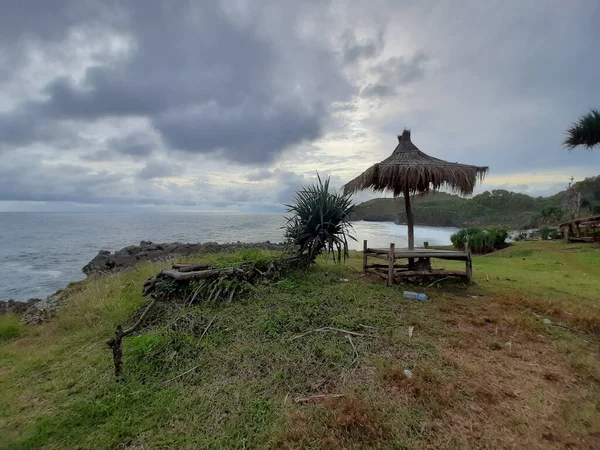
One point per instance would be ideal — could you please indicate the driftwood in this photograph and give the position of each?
(209, 283)
(115, 343)
(196, 275)
(191, 267)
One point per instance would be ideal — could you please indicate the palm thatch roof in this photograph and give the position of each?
(410, 170)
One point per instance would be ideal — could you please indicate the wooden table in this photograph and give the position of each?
(419, 262)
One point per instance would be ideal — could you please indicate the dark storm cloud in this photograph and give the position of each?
(208, 83)
(394, 73)
(248, 135)
(134, 145)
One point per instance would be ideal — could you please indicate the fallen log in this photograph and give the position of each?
(196, 275)
(191, 267)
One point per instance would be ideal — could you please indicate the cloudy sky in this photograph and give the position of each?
(232, 105)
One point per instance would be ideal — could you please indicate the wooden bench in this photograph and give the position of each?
(418, 262)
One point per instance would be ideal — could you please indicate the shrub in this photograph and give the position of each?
(545, 232)
(319, 222)
(555, 234)
(481, 240)
(9, 327)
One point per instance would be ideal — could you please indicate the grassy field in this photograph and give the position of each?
(510, 362)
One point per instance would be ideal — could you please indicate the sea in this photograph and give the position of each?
(42, 252)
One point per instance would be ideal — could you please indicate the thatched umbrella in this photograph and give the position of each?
(410, 171)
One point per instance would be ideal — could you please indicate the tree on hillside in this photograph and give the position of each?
(572, 202)
(586, 205)
(548, 216)
(585, 132)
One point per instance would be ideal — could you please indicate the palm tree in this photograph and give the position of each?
(585, 132)
(319, 222)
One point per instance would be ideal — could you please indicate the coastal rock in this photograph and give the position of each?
(15, 307)
(106, 261)
(42, 310)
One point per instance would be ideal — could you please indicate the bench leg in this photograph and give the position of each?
(391, 260)
(469, 265)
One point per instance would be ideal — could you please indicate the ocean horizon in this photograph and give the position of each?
(42, 252)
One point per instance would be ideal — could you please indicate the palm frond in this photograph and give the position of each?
(585, 133)
(319, 221)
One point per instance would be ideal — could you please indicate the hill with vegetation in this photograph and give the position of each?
(497, 207)
(318, 360)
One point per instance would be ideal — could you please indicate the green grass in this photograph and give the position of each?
(9, 327)
(478, 355)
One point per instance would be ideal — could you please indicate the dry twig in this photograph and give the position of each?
(437, 281)
(355, 360)
(339, 330)
(317, 398)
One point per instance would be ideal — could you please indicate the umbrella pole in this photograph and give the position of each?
(409, 220)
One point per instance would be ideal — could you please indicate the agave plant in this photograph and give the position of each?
(586, 132)
(319, 222)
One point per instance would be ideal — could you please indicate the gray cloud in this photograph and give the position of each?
(208, 83)
(160, 169)
(118, 87)
(247, 135)
(354, 51)
(135, 145)
(259, 175)
(378, 90)
(394, 73)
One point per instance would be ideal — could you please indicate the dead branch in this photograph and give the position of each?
(196, 275)
(339, 330)
(191, 267)
(206, 329)
(355, 360)
(438, 281)
(317, 398)
(149, 285)
(131, 329)
(116, 343)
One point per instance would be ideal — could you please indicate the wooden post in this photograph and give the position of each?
(365, 256)
(391, 258)
(409, 220)
(426, 244)
(566, 233)
(469, 264)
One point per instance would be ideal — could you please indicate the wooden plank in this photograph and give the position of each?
(386, 266)
(365, 256)
(415, 250)
(458, 256)
(382, 275)
(378, 266)
(414, 273)
(384, 257)
(391, 265)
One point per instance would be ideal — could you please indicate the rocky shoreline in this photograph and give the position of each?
(36, 310)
